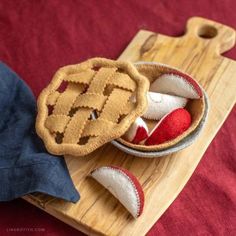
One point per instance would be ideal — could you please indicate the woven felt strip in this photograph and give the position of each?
(115, 105)
(83, 77)
(57, 123)
(66, 99)
(99, 81)
(73, 131)
(90, 100)
(98, 127)
(130, 106)
(122, 80)
(52, 98)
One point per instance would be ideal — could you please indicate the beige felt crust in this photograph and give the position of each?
(75, 149)
(195, 107)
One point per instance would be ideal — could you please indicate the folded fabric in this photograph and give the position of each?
(25, 165)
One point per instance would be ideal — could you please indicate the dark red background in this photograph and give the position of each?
(37, 37)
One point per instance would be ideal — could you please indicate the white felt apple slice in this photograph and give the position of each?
(123, 185)
(137, 132)
(177, 83)
(161, 104)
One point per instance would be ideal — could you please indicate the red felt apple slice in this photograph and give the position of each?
(169, 127)
(177, 83)
(137, 132)
(123, 185)
(161, 104)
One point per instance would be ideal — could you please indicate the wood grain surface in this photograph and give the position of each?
(197, 53)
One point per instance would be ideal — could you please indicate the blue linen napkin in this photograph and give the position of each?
(25, 165)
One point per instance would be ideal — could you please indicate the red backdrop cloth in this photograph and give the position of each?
(37, 37)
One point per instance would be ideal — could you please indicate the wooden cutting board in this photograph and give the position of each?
(197, 53)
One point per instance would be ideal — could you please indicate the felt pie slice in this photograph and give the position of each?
(137, 132)
(177, 83)
(123, 185)
(169, 127)
(161, 104)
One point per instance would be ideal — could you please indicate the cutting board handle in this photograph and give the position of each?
(221, 38)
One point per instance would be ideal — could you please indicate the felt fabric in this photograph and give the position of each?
(160, 104)
(97, 84)
(169, 127)
(138, 188)
(25, 166)
(196, 107)
(123, 185)
(190, 139)
(37, 37)
(177, 83)
(137, 132)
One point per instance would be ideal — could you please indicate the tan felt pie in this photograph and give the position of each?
(77, 93)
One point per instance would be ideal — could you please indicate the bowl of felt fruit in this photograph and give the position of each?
(175, 115)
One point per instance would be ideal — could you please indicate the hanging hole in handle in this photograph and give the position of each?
(207, 32)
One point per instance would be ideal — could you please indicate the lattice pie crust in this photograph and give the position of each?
(89, 104)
